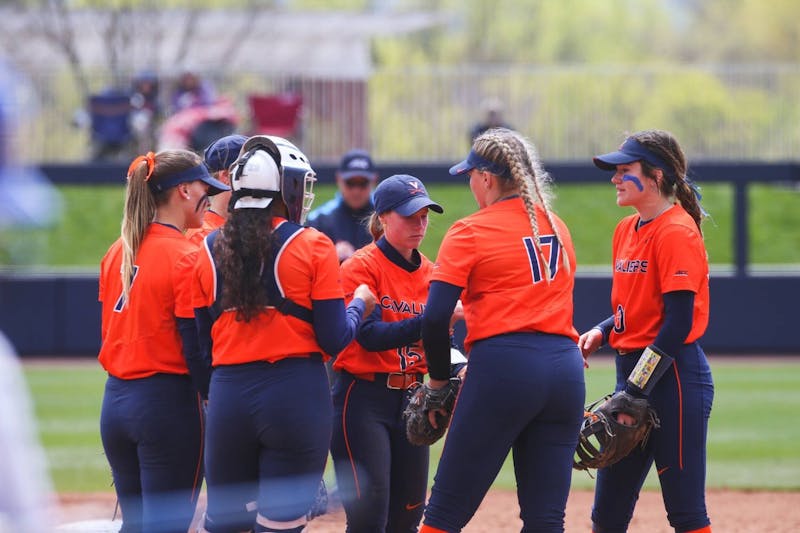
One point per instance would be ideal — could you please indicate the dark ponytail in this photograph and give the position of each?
(243, 250)
(676, 182)
(689, 201)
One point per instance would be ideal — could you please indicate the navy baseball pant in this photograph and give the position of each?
(269, 430)
(381, 477)
(682, 399)
(523, 392)
(152, 432)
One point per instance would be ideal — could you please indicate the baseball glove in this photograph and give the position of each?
(424, 399)
(602, 440)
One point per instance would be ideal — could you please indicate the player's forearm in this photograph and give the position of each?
(605, 328)
(199, 366)
(334, 325)
(658, 357)
(678, 314)
(442, 299)
(376, 335)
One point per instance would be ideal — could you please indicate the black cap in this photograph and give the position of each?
(357, 163)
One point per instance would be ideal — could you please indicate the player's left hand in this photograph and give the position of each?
(429, 409)
(612, 427)
(433, 414)
(363, 291)
(458, 314)
(589, 343)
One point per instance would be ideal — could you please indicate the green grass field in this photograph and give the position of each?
(92, 216)
(751, 444)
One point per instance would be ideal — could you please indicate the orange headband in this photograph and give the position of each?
(149, 158)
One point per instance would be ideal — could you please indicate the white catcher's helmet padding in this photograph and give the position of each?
(269, 166)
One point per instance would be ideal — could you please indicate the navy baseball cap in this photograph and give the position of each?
(474, 160)
(630, 151)
(357, 163)
(404, 195)
(222, 153)
(196, 173)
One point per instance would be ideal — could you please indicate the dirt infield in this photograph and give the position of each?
(731, 512)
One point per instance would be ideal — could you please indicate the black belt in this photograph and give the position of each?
(635, 351)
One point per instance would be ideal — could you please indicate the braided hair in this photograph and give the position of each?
(675, 183)
(525, 172)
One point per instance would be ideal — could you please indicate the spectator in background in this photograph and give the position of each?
(144, 92)
(492, 118)
(343, 218)
(191, 91)
(145, 110)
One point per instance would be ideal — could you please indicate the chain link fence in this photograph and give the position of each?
(425, 114)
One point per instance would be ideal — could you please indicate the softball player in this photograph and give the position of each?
(524, 390)
(218, 157)
(151, 421)
(269, 303)
(660, 303)
(382, 478)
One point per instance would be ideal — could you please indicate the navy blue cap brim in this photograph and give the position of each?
(630, 151)
(610, 160)
(346, 175)
(474, 160)
(196, 173)
(461, 168)
(415, 204)
(214, 185)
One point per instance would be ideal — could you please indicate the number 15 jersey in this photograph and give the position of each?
(401, 295)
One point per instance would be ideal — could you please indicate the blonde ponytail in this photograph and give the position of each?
(140, 210)
(141, 202)
(374, 226)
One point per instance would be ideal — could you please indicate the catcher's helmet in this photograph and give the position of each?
(269, 166)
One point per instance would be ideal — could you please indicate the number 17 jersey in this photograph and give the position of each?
(491, 254)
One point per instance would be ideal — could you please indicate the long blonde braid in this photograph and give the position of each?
(541, 183)
(509, 149)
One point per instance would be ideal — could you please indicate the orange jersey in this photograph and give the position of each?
(667, 254)
(140, 337)
(491, 254)
(401, 295)
(211, 221)
(307, 269)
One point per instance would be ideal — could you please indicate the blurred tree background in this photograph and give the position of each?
(574, 75)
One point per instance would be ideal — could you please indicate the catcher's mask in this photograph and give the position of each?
(270, 166)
